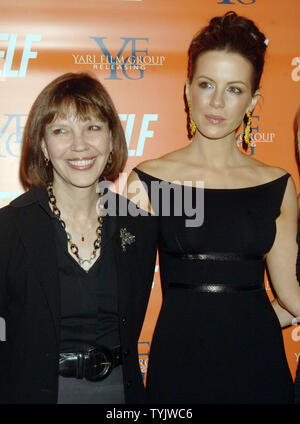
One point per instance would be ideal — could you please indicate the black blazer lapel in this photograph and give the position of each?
(136, 248)
(109, 205)
(36, 232)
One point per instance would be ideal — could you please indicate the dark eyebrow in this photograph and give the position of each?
(229, 82)
(238, 82)
(204, 76)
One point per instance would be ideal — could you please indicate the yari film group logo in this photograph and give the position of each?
(130, 62)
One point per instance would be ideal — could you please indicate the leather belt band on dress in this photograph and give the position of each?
(222, 257)
(93, 364)
(216, 287)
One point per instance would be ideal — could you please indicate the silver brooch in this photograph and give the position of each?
(126, 237)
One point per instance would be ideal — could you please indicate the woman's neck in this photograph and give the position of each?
(78, 203)
(217, 154)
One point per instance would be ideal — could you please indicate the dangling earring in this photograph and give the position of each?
(192, 124)
(110, 159)
(46, 161)
(248, 129)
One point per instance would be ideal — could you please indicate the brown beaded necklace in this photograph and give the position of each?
(73, 247)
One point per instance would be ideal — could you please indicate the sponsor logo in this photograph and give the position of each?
(143, 348)
(11, 134)
(131, 60)
(9, 54)
(296, 331)
(144, 132)
(256, 135)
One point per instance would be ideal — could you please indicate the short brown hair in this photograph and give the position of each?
(88, 96)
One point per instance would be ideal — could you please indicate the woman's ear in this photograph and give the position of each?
(110, 141)
(44, 149)
(254, 100)
(187, 90)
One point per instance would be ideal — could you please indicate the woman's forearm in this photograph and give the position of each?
(285, 318)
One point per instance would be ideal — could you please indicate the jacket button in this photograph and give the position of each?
(124, 320)
(126, 352)
(128, 384)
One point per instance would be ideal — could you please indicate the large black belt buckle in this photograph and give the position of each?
(100, 364)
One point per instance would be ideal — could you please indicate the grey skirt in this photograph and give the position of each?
(81, 391)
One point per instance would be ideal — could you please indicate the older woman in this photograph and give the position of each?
(59, 289)
(217, 338)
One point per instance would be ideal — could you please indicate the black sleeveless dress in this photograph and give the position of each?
(217, 339)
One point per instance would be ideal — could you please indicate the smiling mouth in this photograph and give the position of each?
(81, 163)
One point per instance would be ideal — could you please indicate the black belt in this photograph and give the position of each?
(212, 256)
(217, 287)
(93, 364)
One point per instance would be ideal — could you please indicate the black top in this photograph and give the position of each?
(89, 311)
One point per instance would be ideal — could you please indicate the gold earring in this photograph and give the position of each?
(192, 124)
(110, 159)
(247, 132)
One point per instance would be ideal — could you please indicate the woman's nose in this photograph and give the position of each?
(78, 141)
(217, 99)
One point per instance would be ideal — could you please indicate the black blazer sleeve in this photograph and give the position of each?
(7, 237)
(7, 240)
(136, 248)
(137, 260)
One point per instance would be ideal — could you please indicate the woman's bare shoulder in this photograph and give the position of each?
(161, 167)
(266, 172)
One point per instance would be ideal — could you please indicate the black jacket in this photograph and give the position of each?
(30, 298)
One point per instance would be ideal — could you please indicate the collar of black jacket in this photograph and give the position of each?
(33, 195)
(113, 203)
(39, 195)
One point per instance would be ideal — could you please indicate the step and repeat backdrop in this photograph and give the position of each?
(138, 50)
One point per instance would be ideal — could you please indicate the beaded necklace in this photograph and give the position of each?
(73, 247)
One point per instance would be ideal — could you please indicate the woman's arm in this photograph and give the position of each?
(285, 318)
(137, 193)
(282, 258)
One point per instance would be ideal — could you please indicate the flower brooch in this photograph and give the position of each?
(126, 238)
